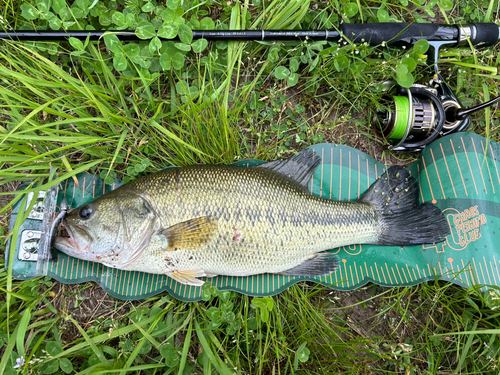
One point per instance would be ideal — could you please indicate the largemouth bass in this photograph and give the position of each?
(226, 220)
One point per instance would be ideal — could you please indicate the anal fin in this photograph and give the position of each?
(188, 277)
(319, 265)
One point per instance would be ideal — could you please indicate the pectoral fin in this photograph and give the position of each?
(190, 234)
(188, 277)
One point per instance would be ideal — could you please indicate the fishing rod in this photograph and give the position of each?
(415, 116)
(486, 34)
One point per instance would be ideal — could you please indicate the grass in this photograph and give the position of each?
(75, 112)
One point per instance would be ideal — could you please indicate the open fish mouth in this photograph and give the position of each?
(71, 242)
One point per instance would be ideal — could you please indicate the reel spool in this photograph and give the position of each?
(418, 115)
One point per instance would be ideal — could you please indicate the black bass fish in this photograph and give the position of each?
(226, 220)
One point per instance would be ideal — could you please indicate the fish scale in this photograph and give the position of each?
(226, 220)
(279, 223)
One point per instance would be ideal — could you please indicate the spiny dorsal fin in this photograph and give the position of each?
(319, 265)
(189, 234)
(300, 167)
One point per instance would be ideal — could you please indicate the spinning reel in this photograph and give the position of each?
(420, 114)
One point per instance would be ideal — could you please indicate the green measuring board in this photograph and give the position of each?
(458, 173)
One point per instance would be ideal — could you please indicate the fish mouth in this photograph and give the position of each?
(71, 242)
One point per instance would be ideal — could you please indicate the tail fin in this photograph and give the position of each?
(403, 221)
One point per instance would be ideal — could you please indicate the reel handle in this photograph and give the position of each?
(458, 114)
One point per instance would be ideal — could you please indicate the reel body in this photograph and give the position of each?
(420, 114)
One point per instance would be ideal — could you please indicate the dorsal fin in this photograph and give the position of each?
(300, 167)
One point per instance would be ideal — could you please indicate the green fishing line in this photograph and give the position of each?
(402, 114)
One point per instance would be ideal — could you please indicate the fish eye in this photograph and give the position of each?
(85, 212)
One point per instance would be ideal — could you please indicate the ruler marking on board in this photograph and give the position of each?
(418, 270)
(423, 271)
(481, 268)
(394, 273)
(493, 273)
(479, 166)
(383, 274)
(340, 179)
(331, 172)
(388, 273)
(496, 267)
(488, 166)
(149, 283)
(414, 274)
(57, 266)
(440, 269)
(409, 273)
(464, 269)
(378, 274)
(67, 268)
(404, 274)
(322, 166)
(474, 278)
(346, 277)
(312, 184)
(368, 175)
(83, 190)
(153, 284)
(420, 185)
(495, 163)
(176, 285)
(477, 273)
(349, 190)
(352, 277)
(459, 274)
(399, 273)
(486, 267)
(448, 169)
(468, 162)
(182, 290)
(459, 169)
(356, 270)
(133, 283)
(428, 180)
(437, 173)
(77, 266)
(111, 279)
(126, 282)
(359, 178)
(142, 282)
(119, 282)
(361, 271)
